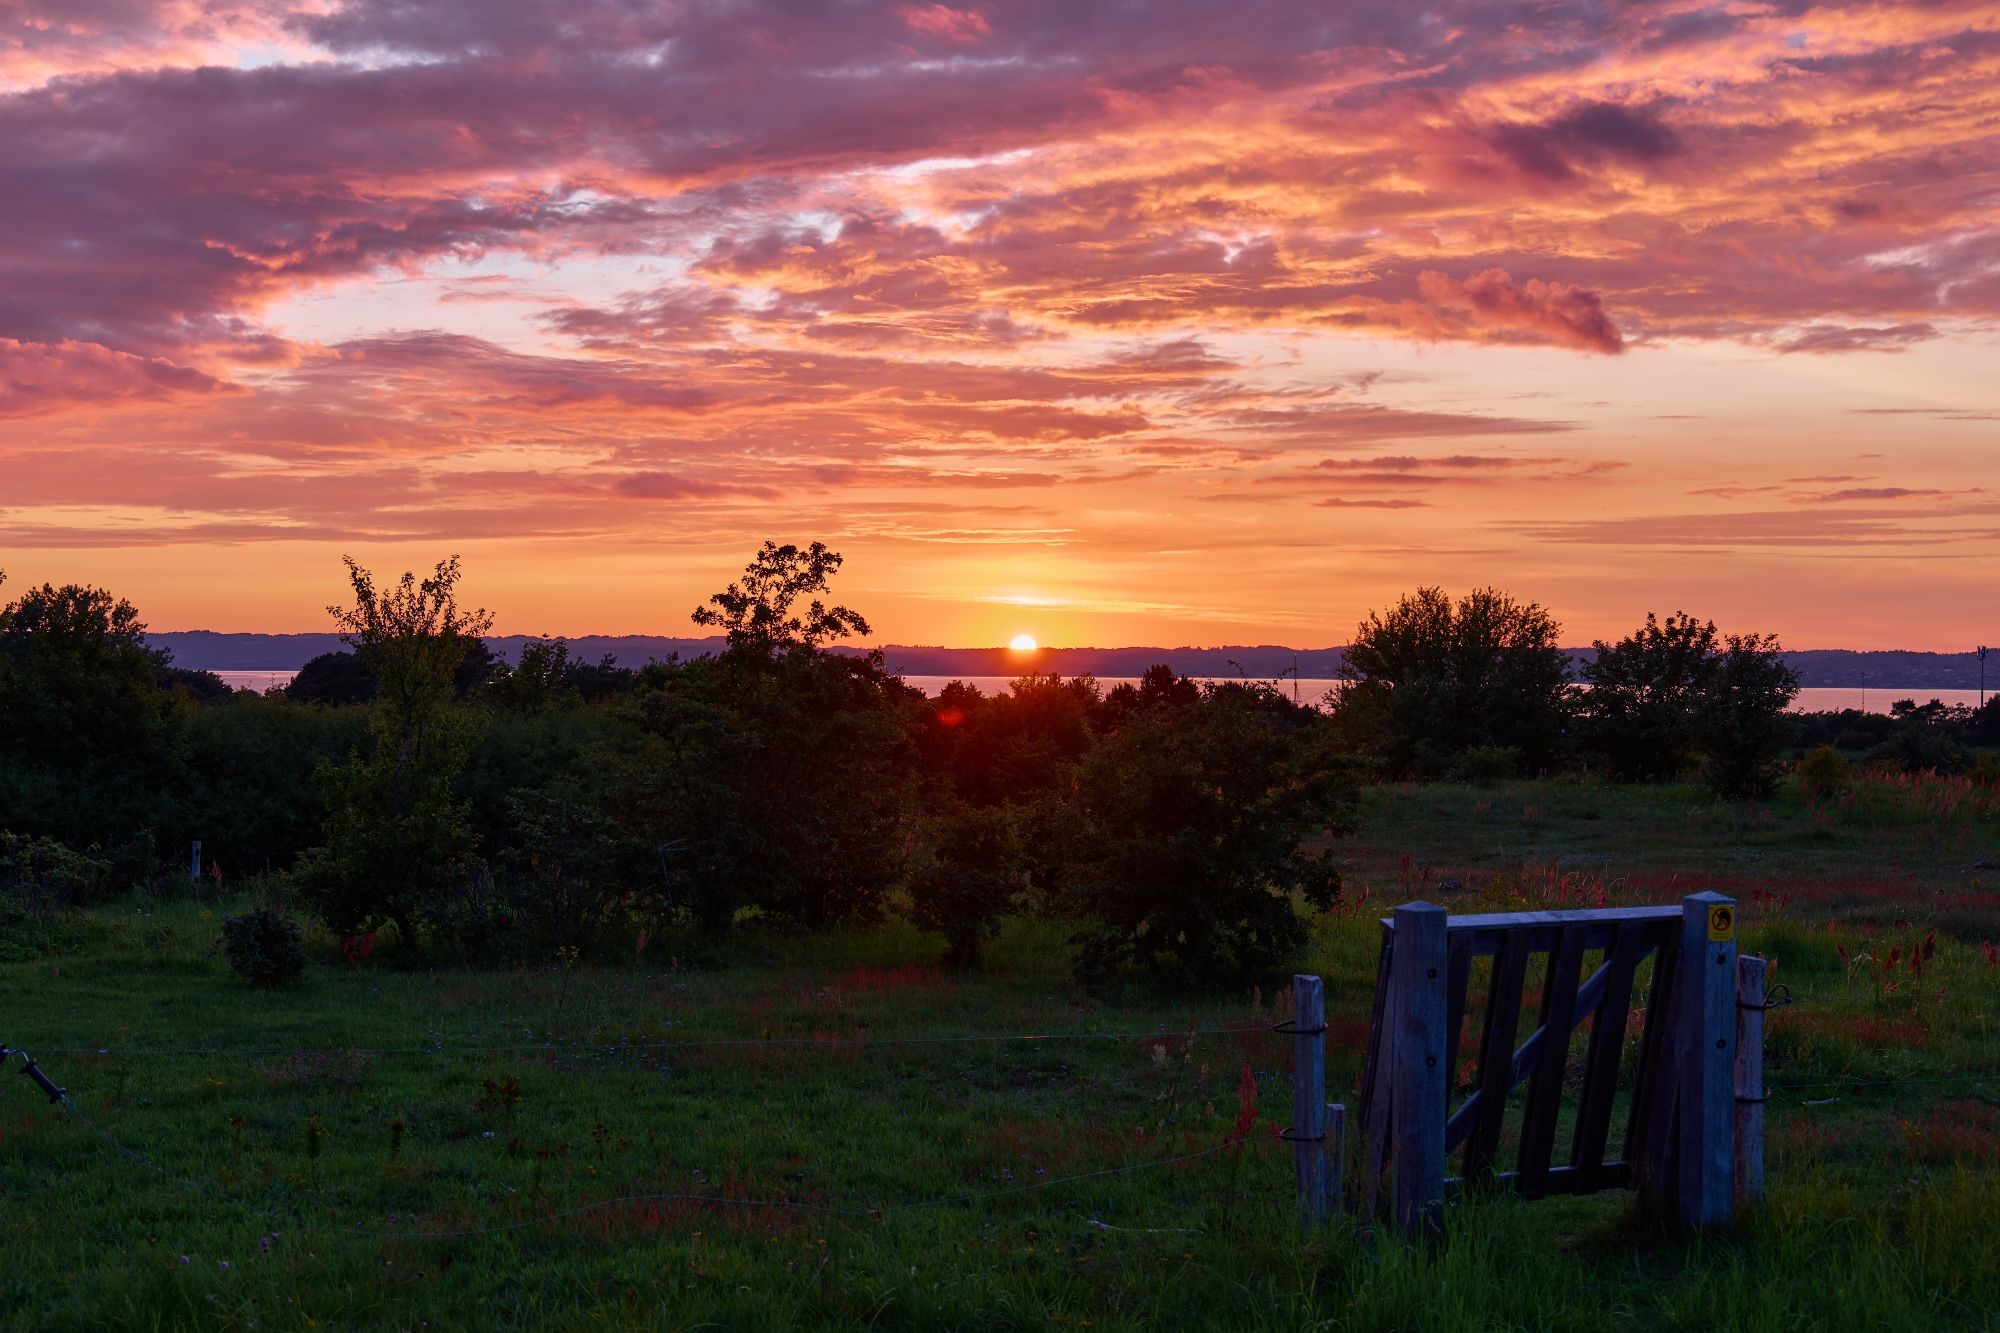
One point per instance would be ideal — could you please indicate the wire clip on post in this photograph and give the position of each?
(34, 1071)
(1780, 996)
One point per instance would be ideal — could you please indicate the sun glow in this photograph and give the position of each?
(1023, 643)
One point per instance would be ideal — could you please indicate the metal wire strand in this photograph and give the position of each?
(876, 1210)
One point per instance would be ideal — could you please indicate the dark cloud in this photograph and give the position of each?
(1840, 338)
(1584, 136)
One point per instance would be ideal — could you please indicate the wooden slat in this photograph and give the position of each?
(1486, 931)
(1649, 1127)
(1496, 1055)
(1606, 1052)
(1588, 997)
(1544, 1100)
(1749, 1078)
(1597, 916)
(1377, 1117)
(1458, 975)
(1370, 1067)
(1416, 1059)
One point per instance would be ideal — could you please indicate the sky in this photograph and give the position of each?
(1105, 321)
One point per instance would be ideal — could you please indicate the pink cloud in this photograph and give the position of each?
(1544, 311)
(963, 26)
(44, 377)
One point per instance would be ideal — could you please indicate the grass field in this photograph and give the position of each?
(280, 1160)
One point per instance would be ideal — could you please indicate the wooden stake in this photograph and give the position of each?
(1336, 1153)
(1749, 1174)
(1309, 1099)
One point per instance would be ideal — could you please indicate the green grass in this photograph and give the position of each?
(1883, 1209)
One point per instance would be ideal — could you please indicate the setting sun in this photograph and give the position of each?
(1023, 643)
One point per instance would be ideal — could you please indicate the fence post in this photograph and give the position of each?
(1417, 1067)
(1336, 1155)
(1706, 1134)
(1749, 1175)
(1309, 1098)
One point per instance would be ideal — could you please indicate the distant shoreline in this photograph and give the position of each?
(1837, 668)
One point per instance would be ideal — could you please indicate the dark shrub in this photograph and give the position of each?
(1824, 773)
(1430, 679)
(1195, 825)
(40, 879)
(1675, 694)
(969, 876)
(264, 947)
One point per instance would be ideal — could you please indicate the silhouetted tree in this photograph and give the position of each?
(332, 678)
(970, 875)
(397, 835)
(758, 611)
(548, 676)
(1431, 680)
(1646, 694)
(89, 743)
(1675, 693)
(201, 687)
(776, 776)
(1194, 829)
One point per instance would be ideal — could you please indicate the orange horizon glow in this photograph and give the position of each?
(1159, 324)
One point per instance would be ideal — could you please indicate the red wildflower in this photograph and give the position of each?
(1246, 1106)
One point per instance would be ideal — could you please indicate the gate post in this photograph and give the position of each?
(1707, 1102)
(1418, 1075)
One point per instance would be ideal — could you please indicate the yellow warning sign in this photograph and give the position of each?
(1721, 923)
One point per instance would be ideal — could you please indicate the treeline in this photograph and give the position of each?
(500, 812)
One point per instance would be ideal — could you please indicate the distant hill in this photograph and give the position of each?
(207, 650)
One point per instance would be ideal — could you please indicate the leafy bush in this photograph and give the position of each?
(970, 876)
(1431, 679)
(776, 776)
(90, 740)
(1485, 763)
(1676, 693)
(398, 837)
(253, 797)
(1925, 738)
(42, 871)
(1194, 826)
(561, 879)
(264, 947)
(473, 920)
(778, 782)
(1824, 773)
(40, 879)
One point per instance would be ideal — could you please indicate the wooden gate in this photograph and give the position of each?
(1676, 1138)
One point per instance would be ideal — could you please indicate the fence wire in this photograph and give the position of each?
(614, 1047)
(876, 1210)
